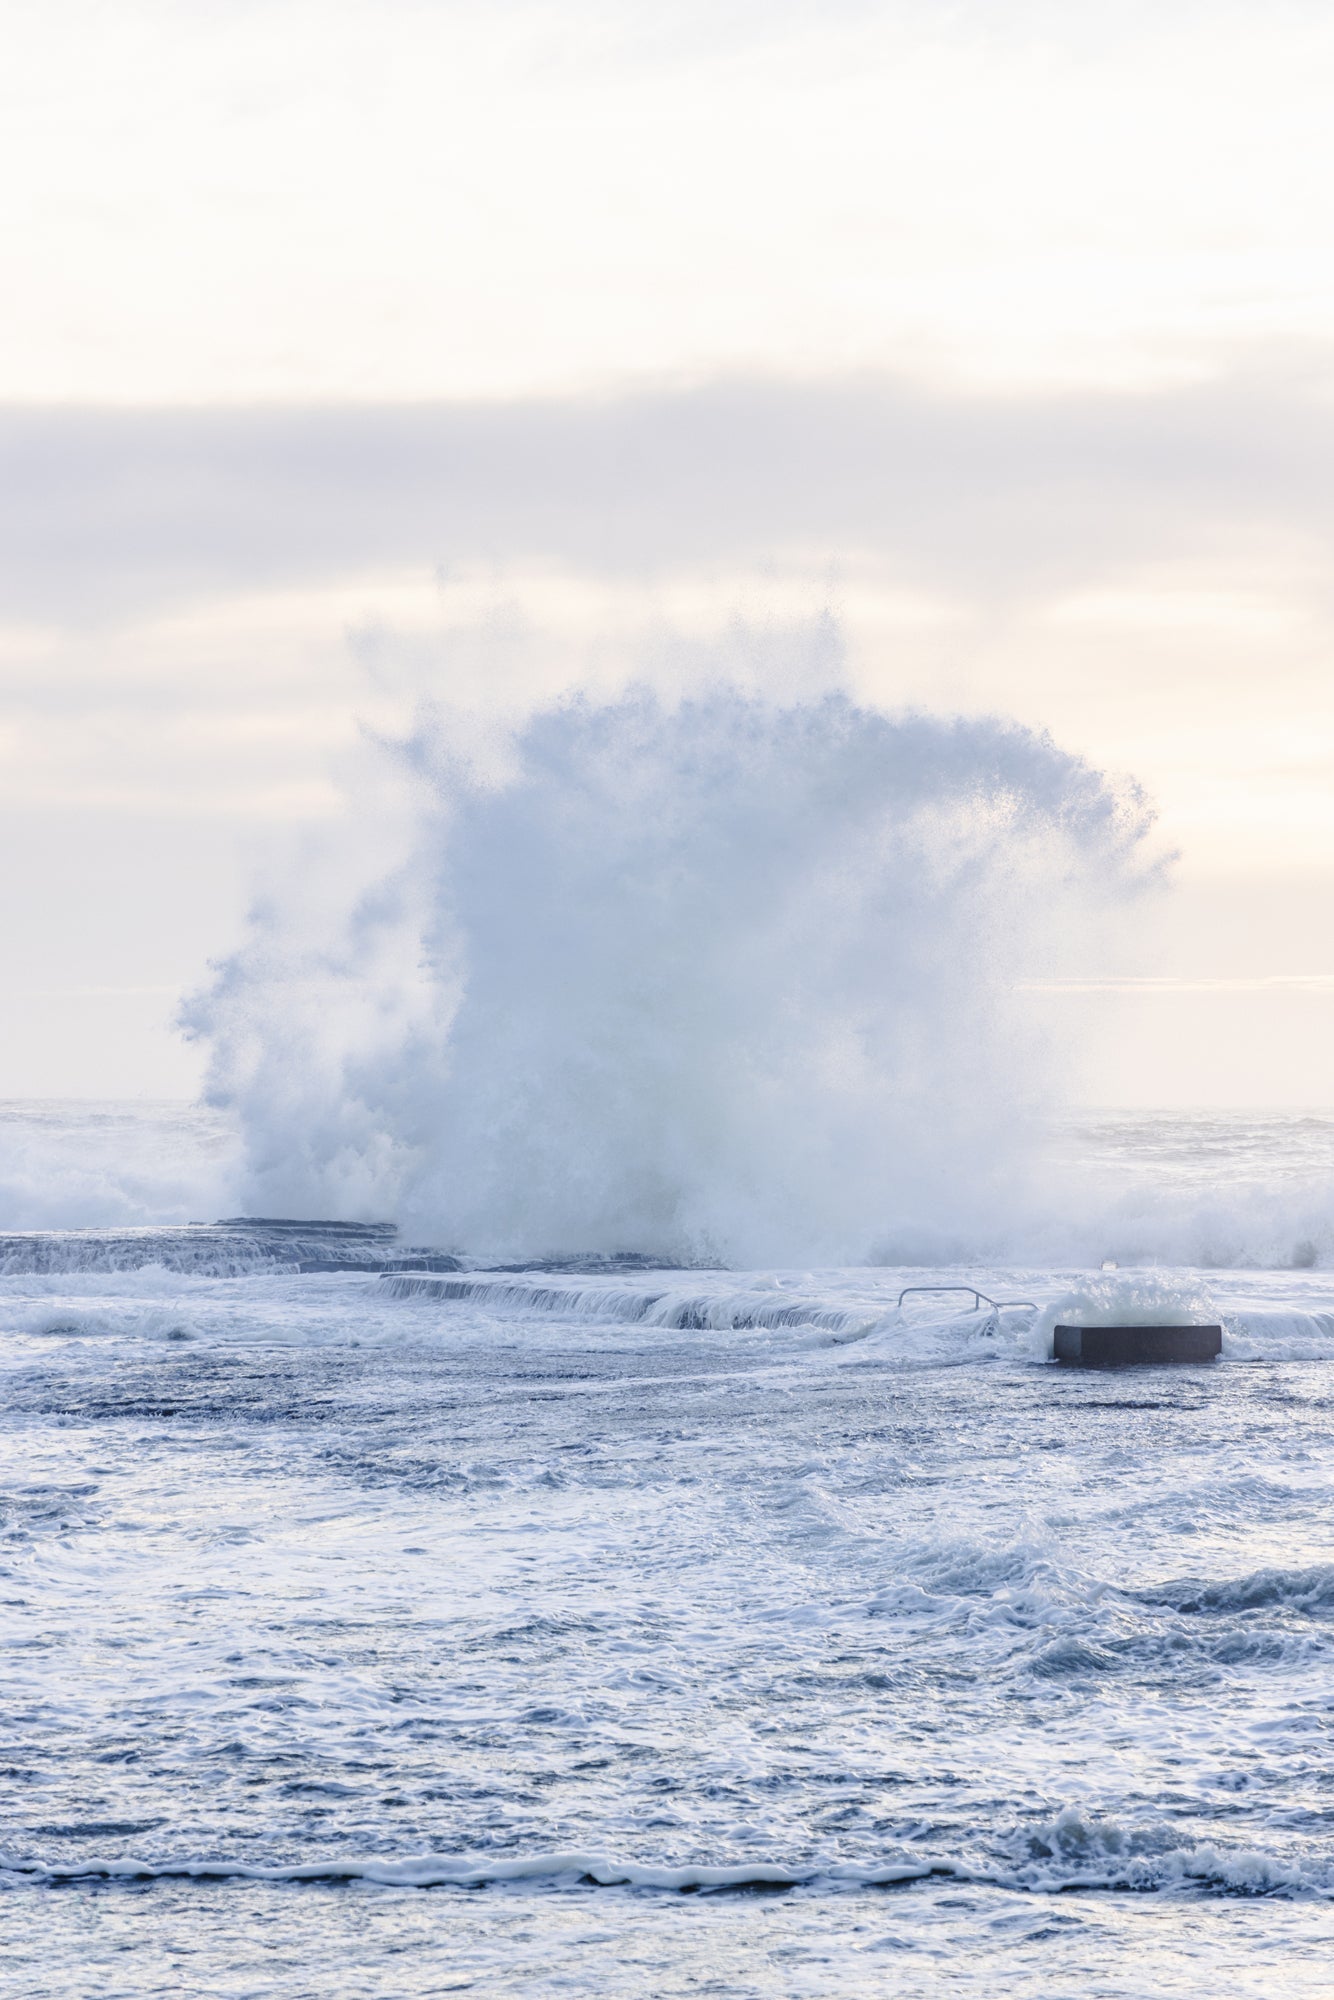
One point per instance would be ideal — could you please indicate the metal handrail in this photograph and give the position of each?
(979, 1298)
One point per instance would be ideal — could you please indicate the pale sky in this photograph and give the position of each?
(352, 351)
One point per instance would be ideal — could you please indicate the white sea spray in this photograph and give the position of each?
(724, 979)
(1125, 1298)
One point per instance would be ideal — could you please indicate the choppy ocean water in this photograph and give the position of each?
(662, 1632)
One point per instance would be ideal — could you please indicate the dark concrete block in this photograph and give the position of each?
(1129, 1346)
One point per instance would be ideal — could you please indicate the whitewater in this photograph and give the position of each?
(489, 1506)
(383, 1630)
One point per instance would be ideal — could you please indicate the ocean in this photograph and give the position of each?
(382, 1622)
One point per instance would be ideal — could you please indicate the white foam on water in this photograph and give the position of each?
(852, 1316)
(603, 1588)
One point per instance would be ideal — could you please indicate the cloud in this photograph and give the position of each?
(109, 515)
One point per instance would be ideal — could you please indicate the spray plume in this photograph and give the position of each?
(723, 979)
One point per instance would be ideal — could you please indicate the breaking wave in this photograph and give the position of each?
(1074, 1850)
(1309, 1590)
(727, 980)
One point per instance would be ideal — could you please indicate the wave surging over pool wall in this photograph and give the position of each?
(718, 980)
